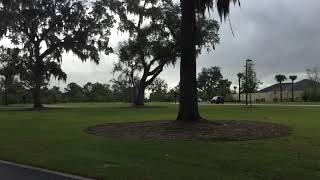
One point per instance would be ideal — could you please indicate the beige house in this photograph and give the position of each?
(272, 93)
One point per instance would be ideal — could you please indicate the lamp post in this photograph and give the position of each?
(247, 62)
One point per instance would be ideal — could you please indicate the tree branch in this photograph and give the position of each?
(50, 50)
(155, 74)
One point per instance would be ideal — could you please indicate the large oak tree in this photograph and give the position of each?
(154, 39)
(47, 29)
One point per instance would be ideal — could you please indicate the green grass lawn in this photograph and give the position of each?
(55, 139)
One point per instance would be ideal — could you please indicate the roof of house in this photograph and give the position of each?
(298, 86)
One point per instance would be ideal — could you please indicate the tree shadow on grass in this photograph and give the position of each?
(26, 109)
(140, 107)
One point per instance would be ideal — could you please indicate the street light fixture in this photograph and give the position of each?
(247, 62)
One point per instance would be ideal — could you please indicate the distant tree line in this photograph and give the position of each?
(117, 91)
(210, 83)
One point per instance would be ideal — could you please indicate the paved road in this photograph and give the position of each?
(237, 104)
(12, 171)
(287, 105)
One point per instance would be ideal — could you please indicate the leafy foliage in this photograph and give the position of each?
(240, 75)
(154, 38)
(223, 6)
(46, 29)
(159, 90)
(97, 92)
(211, 83)
(293, 77)
(280, 78)
(74, 92)
(10, 67)
(250, 83)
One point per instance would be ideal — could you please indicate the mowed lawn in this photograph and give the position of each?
(55, 139)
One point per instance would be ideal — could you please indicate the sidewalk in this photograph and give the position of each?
(13, 171)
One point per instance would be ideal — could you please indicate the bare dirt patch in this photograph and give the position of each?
(203, 130)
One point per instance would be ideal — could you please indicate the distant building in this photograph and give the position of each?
(272, 93)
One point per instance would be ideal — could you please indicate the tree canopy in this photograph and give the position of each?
(154, 39)
(10, 67)
(46, 29)
(280, 78)
(159, 90)
(211, 83)
(293, 77)
(250, 83)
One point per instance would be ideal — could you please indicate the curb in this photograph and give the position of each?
(76, 177)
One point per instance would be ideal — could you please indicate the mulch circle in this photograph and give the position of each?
(224, 130)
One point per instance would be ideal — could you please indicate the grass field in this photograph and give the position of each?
(55, 139)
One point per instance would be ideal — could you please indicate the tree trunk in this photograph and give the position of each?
(292, 96)
(239, 90)
(280, 92)
(133, 88)
(37, 105)
(188, 107)
(6, 93)
(133, 94)
(139, 100)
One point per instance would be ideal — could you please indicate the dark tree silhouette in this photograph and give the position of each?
(223, 88)
(240, 76)
(10, 66)
(159, 90)
(151, 44)
(154, 39)
(280, 78)
(208, 81)
(74, 92)
(188, 107)
(46, 29)
(249, 82)
(122, 89)
(292, 78)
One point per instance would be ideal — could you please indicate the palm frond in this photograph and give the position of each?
(223, 6)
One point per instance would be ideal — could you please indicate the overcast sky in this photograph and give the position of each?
(280, 36)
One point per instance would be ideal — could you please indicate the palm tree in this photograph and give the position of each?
(240, 76)
(293, 78)
(188, 107)
(280, 78)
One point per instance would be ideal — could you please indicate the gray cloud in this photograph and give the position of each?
(280, 36)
